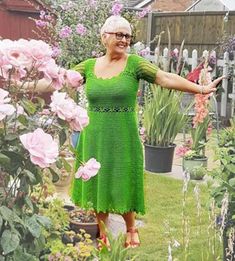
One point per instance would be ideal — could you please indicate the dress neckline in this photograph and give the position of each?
(113, 77)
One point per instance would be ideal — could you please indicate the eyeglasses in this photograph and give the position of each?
(119, 36)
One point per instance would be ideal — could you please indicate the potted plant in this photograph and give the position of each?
(193, 152)
(162, 121)
(85, 220)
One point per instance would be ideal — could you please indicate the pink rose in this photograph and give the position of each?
(5, 109)
(39, 50)
(80, 119)
(16, 53)
(74, 79)
(41, 146)
(88, 170)
(62, 105)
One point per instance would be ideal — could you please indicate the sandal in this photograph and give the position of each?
(132, 243)
(103, 241)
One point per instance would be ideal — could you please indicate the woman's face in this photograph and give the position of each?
(117, 40)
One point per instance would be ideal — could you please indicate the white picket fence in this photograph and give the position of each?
(193, 62)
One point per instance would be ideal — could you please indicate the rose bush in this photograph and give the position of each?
(31, 136)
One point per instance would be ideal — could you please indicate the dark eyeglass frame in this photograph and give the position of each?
(119, 36)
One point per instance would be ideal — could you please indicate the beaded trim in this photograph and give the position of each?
(111, 109)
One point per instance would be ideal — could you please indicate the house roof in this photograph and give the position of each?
(161, 5)
(229, 4)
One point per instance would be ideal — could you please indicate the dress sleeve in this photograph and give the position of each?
(81, 68)
(146, 70)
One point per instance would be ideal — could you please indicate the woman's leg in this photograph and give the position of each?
(102, 220)
(132, 236)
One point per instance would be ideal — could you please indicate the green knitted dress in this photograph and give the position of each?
(112, 138)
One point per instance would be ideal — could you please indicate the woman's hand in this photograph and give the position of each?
(206, 89)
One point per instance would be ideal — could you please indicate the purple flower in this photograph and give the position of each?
(48, 17)
(144, 52)
(142, 13)
(117, 8)
(81, 29)
(56, 51)
(42, 14)
(41, 23)
(65, 32)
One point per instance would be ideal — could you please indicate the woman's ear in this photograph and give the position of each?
(103, 39)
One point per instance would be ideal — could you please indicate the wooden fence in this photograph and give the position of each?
(200, 30)
(227, 100)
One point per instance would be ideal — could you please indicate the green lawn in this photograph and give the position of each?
(163, 222)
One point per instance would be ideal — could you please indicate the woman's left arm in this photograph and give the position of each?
(174, 81)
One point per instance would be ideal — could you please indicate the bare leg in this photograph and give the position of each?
(102, 219)
(132, 236)
(129, 218)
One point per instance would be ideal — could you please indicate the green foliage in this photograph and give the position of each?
(163, 118)
(59, 217)
(225, 174)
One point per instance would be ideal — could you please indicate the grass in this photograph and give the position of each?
(163, 222)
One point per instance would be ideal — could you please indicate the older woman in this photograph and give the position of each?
(112, 135)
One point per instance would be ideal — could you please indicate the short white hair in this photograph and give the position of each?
(114, 22)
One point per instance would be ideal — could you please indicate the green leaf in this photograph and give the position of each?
(19, 255)
(9, 241)
(30, 175)
(59, 164)
(29, 106)
(28, 202)
(55, 176)
(11, 137)
(2, 258)
(7, 214)
(41, 102)
(23, 120)
(33, 226)
(4, 160)
(231, 168)
(16, 161)
(67, 166)
(232, 182)
(44, 221)
(1, 222)
(62, 137)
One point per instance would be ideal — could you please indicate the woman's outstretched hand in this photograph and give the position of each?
(206, 89)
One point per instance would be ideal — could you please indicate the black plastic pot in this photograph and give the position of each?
(159, 159)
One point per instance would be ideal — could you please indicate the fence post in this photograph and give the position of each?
(194, 59)
(149, 28)
(213, 56)
(185, 55)
(156, 56)
(165, 60)
(224, 85)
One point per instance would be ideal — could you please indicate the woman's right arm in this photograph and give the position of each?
(41, 86)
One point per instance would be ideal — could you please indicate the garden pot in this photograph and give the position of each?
(192, 165)
(90, 228)
(159, 159)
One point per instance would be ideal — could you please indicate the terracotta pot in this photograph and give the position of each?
(90, 228)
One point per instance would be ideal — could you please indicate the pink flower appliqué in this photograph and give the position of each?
(88, 170)
(41, 146)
